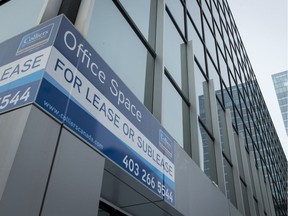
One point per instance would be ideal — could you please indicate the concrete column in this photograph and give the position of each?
(159, 62)
(247, 175)
(196, 146)
(256, 184)
(264, 192)
(50, 9)
(270, 199)
(76, 179)
(234, 160)
(33, 136)
(185, 108)
(10, 140)
(213, 122)
(84, 15)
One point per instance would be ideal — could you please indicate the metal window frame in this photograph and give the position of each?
(70, 9)
(2, 2)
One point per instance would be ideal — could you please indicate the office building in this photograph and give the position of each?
(280, 81)
(101, 112)
(262, 148)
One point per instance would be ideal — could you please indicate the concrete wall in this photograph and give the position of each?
(195, 192)
(46, 170)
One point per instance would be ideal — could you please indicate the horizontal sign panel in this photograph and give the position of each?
(55, 67)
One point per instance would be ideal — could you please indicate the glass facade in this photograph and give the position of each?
(113, 38)
(257, 143)
(280, 81)
(24, 19)
(128, 36)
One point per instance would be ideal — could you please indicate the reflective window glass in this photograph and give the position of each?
(199, 80)
(244, 114)
(215, 14)
(219, 39)
(238, 121)
(228, 19)
(198, 47)
(227, 99)
(235, 59)
(230, 188)
(195, 12)
(172, 51)
(176, 8)
(14, 19)
(142, 13)
(257, 208)
(172, 118)
(210, 41)
(213, 74)
(222, 20)
(118, 45)
(208, 155)
(245, 199)
(223, 131)
(223, 68)
(207, 12)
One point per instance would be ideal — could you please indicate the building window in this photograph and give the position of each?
(245, 198)
(172, 54)
(229, 180)
(15, 19)
(176, 9)
(113, 38)
(172, 111)
(143, 15)
(198, 47)
(194, 13)
(208, 154)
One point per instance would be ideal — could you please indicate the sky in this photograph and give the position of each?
(263, 27)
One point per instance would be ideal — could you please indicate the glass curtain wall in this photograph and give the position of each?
(21, 19)
(124, 34)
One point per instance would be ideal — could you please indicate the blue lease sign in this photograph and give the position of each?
(54, 67)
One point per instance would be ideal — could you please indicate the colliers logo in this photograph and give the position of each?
(166, 143)
(35, 39)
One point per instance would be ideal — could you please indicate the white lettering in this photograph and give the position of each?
(17, 69)
(84, 55)
(67, 33)
(122, 100)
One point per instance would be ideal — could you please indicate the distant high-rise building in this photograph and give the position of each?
(256, 145)
(280, 81)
